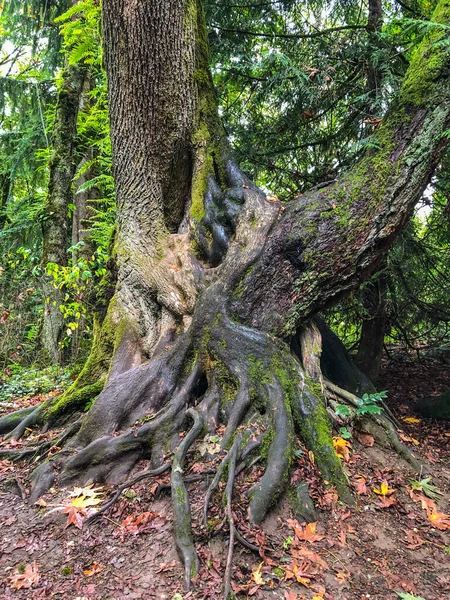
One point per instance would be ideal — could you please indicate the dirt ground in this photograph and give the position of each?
(392, 544)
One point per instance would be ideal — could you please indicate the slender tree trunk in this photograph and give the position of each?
(370, 348)
(5, 189)
(374, 74)
(55, 226)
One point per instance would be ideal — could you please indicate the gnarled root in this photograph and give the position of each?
(180, 502)
(233, 375)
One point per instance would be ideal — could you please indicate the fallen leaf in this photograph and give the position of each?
(360, 486)
(74, 516)
(342, 576)
(307, 554)
(364, 438)
(385, 501)
(411, 420)
(414, 541)
(257, 576)
(384, 490)
(140, 523)
(439, 520)
(92, 570)
(342, 448)
(307, 533)
(408, 438)
(88, 491)
(27, 579)
(85, 501)
(299, 573)
(209, 445)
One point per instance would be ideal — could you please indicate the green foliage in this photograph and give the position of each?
(407, 596)
(80, 28)
(31, 382)
(426, 487)
(344, 432)
(367, 405)
(293, 86)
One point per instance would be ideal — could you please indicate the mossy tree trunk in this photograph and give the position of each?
(55, 222)
(214, 279)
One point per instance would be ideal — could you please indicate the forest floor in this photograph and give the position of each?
(392, 544)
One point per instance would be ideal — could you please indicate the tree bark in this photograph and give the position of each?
(167, 142)
(55, 225)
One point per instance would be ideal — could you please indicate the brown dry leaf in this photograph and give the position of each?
(414, 541)
(307, 533)
(360, 486)
(439, 520)
(305, 553)
(166, 567)
(364, 438)
(329, 499)
(321, 591)
(408, 438)
(6, 465)
(298, 572)
(75, 516)
(41, 502)
(139, 523)
(427, 503)
(27, 579)
(385, 501)
(290, 595)
(342, 448)
(342, 576)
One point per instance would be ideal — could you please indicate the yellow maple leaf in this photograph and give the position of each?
(384, 490)
(84, 502)
(342, 448)
(412, 420)
(86, 491)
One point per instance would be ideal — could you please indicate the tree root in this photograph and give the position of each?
(11, 420)
(233, 375)
(180, 502)
(229, 496)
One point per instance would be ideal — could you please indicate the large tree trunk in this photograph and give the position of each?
(55, 226)
(214, 279)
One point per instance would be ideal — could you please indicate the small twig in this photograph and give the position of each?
(124, 486)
